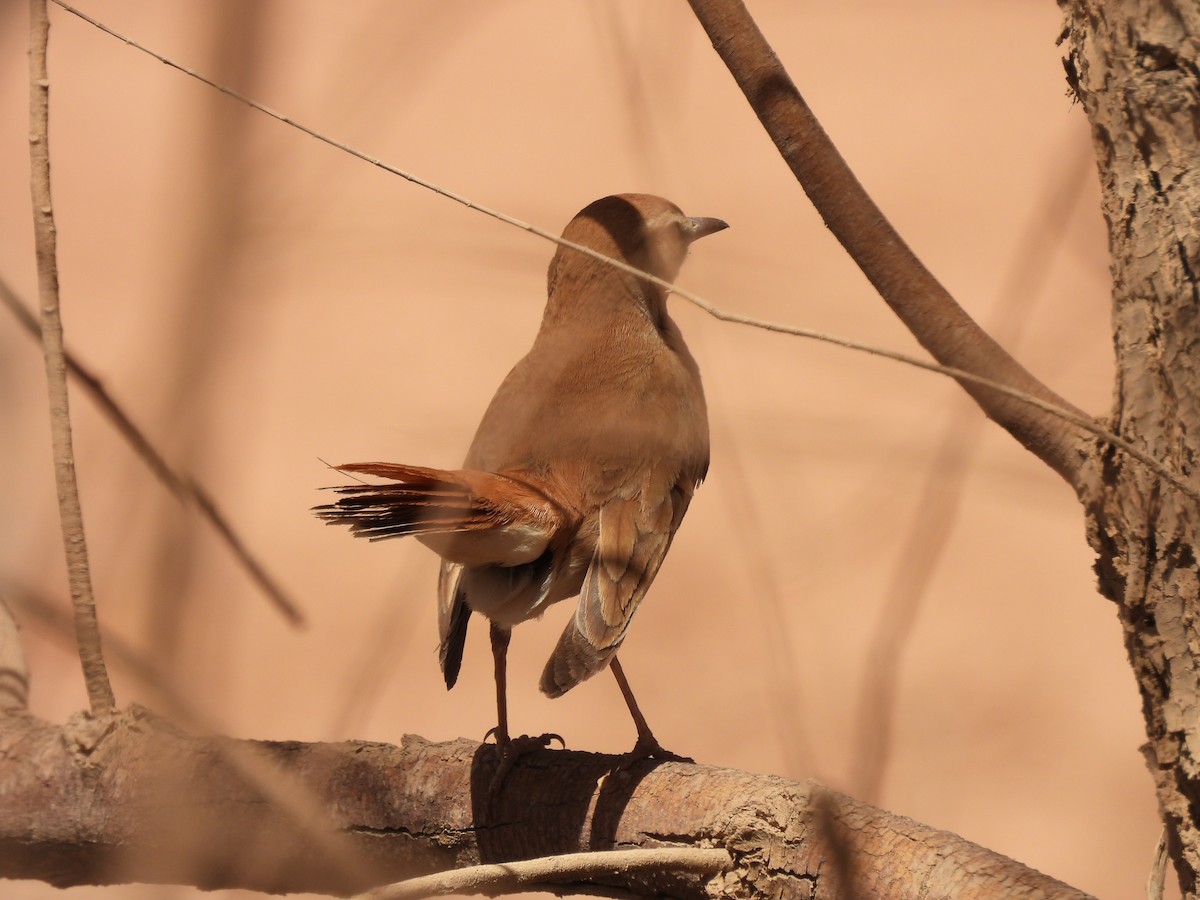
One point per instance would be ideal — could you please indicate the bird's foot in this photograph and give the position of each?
(511, 750)
(648, 747)
(524, 743)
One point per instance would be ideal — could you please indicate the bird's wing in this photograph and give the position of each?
(468, 517)
(634, 536)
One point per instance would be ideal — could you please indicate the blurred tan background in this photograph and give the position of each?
(261, 302)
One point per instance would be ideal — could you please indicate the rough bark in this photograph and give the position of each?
(127, 798)
(1133, 66)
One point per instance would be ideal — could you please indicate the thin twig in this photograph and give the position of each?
(184, 487)
(87, 629)
(1056, 407)
(507, 878)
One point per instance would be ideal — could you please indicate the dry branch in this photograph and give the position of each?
(911, 290)
(79, 577)
(127, 798)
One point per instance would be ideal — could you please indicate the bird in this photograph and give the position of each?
(580, 471)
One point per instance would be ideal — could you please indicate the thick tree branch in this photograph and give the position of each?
(925, 307)
(127, 798)
(87, 630)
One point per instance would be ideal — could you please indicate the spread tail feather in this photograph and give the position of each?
(425, 501)
(468, 517)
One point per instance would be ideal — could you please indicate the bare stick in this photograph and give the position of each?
(79, 578)
(186, 489)
(911, 290)
(508, 878)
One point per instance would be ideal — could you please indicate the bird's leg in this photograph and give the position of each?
(511, 749)
(647, 746)
(500, 637)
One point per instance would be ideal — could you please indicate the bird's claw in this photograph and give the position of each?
(647, 747)
(524, 743)
(511, 750)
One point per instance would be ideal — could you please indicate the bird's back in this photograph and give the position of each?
(606, 415)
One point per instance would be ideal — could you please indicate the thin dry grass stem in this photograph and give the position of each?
(79, 577)
(1057, 408)
(184, 487)
(508, 878)
(253, 765)
(941, 497)
(14, 674)
(747, 529)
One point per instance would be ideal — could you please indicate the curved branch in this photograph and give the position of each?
(166, 807)
(911, 290)
(510, 877)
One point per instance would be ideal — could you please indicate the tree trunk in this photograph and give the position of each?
(1133, 66)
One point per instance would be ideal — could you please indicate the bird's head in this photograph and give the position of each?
(647, 232)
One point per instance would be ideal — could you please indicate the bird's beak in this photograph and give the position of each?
(702, 227)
